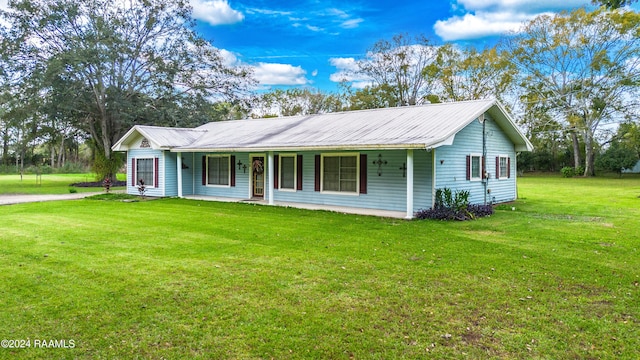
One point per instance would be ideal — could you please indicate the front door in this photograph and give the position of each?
(257, 169)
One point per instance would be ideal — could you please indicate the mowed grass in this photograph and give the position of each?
(44, 184)
(556, 278)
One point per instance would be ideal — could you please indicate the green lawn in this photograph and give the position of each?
(556, 278)
(46, 183)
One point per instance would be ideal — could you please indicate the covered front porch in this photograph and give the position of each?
(400, 184)
(333, 208)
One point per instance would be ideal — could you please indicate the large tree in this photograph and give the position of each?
(584, 66)
(117, 63)
(469, 74)
(613, 4)
(398, 64)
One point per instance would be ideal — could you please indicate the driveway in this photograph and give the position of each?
(19, 199)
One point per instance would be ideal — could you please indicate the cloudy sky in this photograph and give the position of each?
(310, 42)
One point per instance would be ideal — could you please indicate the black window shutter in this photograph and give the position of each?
(363, 173)
(497, 167)
(509, 167)
(317, 173)
(156, 171)
(204, 170)
(233, 170)
(276, 173)
(133, 172)
(468, 167)
(299, 172)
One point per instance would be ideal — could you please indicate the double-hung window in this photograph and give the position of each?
(218, 170)
(288, 172)
(502, 167)
(145, 172)
(340, 173)
(475, 167)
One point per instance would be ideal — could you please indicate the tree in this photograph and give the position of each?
(399, 64)
(585, 66)
(469, 74)
(295, 101)
(617, 158)
(117, 63)
(613, 4)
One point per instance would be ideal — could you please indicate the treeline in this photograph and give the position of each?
(78, 75)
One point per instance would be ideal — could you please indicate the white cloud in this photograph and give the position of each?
(352, 23)
(314, 28)
(482, 18)
(215, 12)
(314, 73)
(347, 71)
(480, 25)
(279, 74)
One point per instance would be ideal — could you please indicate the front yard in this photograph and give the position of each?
(558, 277)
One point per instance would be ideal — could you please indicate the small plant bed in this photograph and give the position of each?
(454, 206)
(99, 184)
(114, 197)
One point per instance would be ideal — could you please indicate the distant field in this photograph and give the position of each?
(45, 184)
(555, 275)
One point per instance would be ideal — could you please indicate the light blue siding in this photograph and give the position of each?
(146, 153)
(170, 171)
(187, 174)
(451, 163)
(240, 191)
(422, 179)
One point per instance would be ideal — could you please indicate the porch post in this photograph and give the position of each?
(409, 184)
(179, 173)
(271, 175)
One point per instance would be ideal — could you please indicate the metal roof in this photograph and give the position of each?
(426, 126)
(160, 137)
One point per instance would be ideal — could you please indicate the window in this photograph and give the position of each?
(340, 173)
(503, 165)
(218, 170)
(288, 172)
(474, 169)
(145, 172)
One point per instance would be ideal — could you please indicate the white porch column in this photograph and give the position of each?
(409, 184)
(179, 173)
(271, 175)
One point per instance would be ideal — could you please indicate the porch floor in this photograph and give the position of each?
(339, 209)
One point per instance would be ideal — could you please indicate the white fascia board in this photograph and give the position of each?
(302, 148)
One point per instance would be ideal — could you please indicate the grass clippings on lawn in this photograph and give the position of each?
(191, 279)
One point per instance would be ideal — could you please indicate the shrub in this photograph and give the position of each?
(568, 171)
(454, 206)
(73, 190)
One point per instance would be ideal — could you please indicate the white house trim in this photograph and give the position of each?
(409, 184)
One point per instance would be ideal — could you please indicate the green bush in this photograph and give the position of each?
(579, 171)
(72, 168)
(568, 172)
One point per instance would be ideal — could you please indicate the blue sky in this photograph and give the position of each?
(309, 42)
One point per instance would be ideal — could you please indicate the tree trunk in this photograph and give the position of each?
(576, 149)
(589, 168)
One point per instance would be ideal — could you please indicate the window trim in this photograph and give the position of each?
(295, 171)
(500, 175)
(342, 154)
(153, 174)
(471, 177)
(228, 156)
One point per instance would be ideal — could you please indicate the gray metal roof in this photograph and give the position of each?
(425, 126)
(161, 137)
